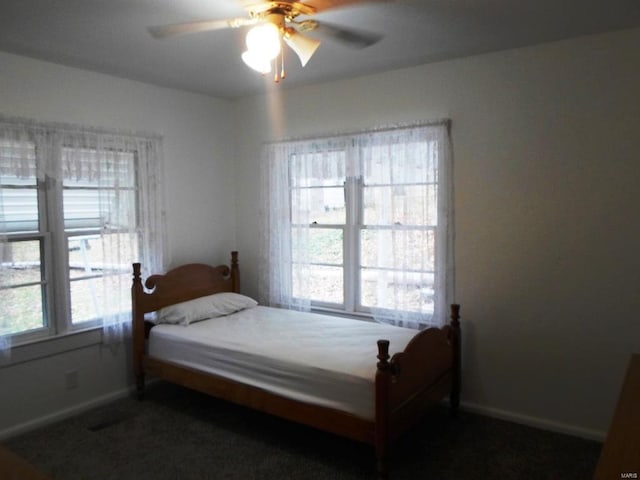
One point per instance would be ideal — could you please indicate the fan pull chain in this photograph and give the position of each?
(283, 72)
(276, 76)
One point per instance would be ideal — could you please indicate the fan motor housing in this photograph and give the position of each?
(290, 10)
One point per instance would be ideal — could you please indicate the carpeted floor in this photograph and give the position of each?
(177, 434)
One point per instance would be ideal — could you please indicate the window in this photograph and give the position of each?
(363, 226)
(76, 209)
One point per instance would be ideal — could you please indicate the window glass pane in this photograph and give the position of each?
(95, 274)
(396, 290)
(22, 263)
(18, 195)
(317, 245)
(82, 209)
(409, 249)
(97, 254)
(98, 188)
(325, 284)
(325, 246)
(20, 210)
(88, 297)
(21, 304)
(21, 309)
(85, 255)
(319, 205)
(90, 208)
(401, 205)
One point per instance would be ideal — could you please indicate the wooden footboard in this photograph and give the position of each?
(427, 371)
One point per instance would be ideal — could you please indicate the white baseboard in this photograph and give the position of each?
(62, 414)
(535, 422)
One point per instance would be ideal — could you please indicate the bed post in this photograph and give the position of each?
(383, 385)
(138, 330)
(454, 398)
(235, 272)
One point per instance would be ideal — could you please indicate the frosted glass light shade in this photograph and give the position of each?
(264, 41)
(304, 46)
(258, 63)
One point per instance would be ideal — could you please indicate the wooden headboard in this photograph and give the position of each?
(178, 285)
(183, 283)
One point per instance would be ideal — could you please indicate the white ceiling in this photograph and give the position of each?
(110, 36)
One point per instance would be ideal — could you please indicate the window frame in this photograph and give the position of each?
(352, 232)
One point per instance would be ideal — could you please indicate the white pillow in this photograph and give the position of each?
(211, 306)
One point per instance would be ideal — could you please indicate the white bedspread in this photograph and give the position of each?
(318, 359)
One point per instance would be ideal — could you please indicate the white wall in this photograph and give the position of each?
(546, 143)
(198, 160)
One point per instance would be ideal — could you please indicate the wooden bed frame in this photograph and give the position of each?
(406, 385)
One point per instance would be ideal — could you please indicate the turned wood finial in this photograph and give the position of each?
(383, 354)
(455, 315)
(136, 273)
(235, 272)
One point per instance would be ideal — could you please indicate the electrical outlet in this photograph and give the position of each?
(71, 379)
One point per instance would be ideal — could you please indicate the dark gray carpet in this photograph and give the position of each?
(178, 434)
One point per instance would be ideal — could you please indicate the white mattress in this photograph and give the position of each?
(318, 359)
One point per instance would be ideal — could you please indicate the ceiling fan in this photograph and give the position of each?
(274, 22)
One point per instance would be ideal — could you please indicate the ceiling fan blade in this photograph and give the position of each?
(350, 37)
(321, 5)
(164, 31)
(316, 5)
(304, 46)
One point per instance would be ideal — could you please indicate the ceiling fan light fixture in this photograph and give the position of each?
(275, 21)
(256, 62)
(304, 46)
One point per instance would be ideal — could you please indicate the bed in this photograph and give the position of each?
(311, 374)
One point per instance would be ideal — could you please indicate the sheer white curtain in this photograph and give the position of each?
(408, 173)
(398, 190)
(103, 210)
(277, 277)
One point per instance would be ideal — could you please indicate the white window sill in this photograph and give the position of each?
(366, 317)
(33, 350)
